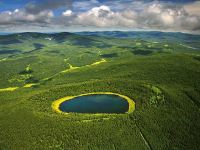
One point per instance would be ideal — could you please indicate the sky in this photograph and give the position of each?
(99, 15)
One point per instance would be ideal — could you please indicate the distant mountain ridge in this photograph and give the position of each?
(90, 36)
(146, 35)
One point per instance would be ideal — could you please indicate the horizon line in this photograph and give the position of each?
(48, 32)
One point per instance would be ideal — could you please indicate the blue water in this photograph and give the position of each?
(99, 103)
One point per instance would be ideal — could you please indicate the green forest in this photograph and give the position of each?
(159, 71)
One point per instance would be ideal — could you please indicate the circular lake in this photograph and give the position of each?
(96, 103)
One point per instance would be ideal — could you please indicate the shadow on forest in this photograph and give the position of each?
(142, 52)
(11, 41)
(9, 51)
(109, 55)
(197, 58)
(38, 46)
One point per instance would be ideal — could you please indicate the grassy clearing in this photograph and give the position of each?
(4, 59)
(75, 68)
(29, 85)
(9, 89)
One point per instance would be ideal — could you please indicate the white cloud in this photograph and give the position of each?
(153, 15)
(155, 9)
(167, 19)
(16, 11)
(193, 8)
(21, 16)
(101, 11)
(103, 17)
(67, 13)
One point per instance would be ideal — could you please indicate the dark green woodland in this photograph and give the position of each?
(159, 71)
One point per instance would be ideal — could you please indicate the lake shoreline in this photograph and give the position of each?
(56, 104)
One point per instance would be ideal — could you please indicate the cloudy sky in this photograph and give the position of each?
(98, 15)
